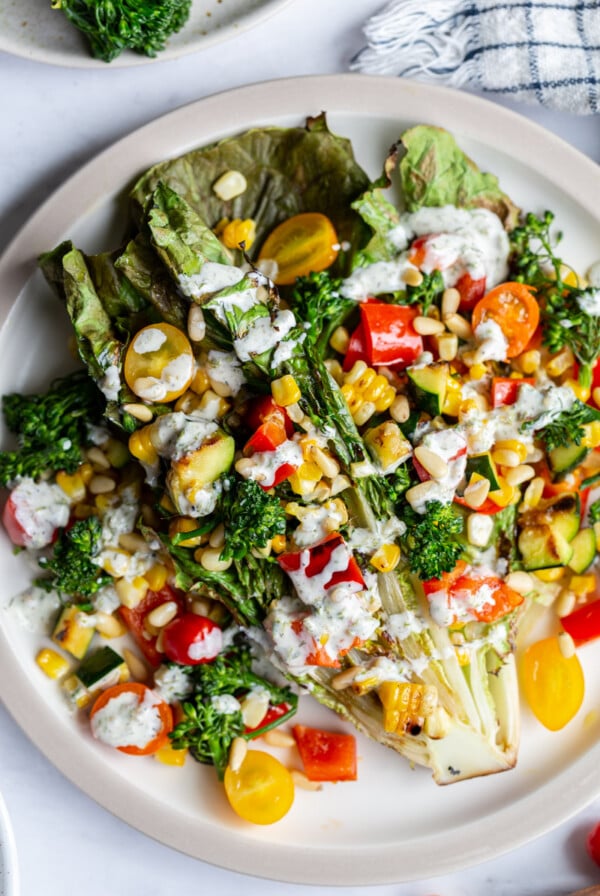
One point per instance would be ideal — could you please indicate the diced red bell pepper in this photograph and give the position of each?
(583, 624)
(280, 475)
(390, 338)
(488, 507)
(260, 410)
(319, 555)
(267, 437)
(505, 389)
(325, 755)
(357, 350)
(134, 617)
(470, 291)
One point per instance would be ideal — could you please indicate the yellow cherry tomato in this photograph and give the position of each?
(553, 684)
(159, 363)
(300, 245)
(262, 790)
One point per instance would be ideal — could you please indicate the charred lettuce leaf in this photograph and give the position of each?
(288, 171)
(434, 171)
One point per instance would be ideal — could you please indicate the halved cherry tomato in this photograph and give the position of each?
(191, 639)
(326, 756)
(17, 533)
(512, 306)
(139, 694)
(389, 335)
(159, 363)
(261, 790)
(505, 389)
(301, 244)
(471, 291)
(259, 410)
(134, 617)
(592, 844)
(552, 683)
(583, 624)
(462, 584)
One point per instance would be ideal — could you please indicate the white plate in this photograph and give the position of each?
(394, 824)
(31, 28)
(9, 878)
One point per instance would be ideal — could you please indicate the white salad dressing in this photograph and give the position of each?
(150, 339)
(174, 377)
(35, 609)
(264, 334)
(126, 721)
(177, 435)
(172, 683)
(211, 278)
(225, 704)
(224, 372)
(493, 344)
(266, 463)
(208, 647)
(110, 383)
(40, 509)
(589, 302)
(463, 241)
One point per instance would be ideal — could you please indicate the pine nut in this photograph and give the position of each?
(161, 615)
(101, 485)
(295, 412)
(520, 474)
(211, 560)
(450, 301)
(98, 458)
(217, 536)
(447, 346)
(237, 753)
(108, 625)
(560, 362)
(340, 340)
(141, 412)
(565, 603)
(304, 783)
(479, 529)
(196, 325)
(412, 277)
(254, 708)
(133, 542)
(339, 484)
(476, 492)
(520, 582)
(419, 493)
(458, 325)
(344, 679)
(435, 465)
(160, 641)
(244, 466)
(533, 492)
(506, 458)
(328, 465)
(428, 326)
(136, 666)
(201, 606)
(400, 409)
(566, 644)
(277, 738)
(437, 723)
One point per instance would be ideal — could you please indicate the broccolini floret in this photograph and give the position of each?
(317, 301)
(205, 730)
(51, 427)
(430, 542)
(568, 427)
(112, 26)
(71, 568)
(251, 517)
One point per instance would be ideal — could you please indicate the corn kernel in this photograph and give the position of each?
(200, 381)
(591, 438)
(156, 576)
(406, 705)
(582, 392)
(237, 232)
(131, 593)
(183, 524)
(52, 663)
(285, 391)
(309, 471)
(581, 585)
(533, 492)
(530, 361)
(552, 574)
(229, 185)
(278, 544)
(560, 362)
(477, 371)
(340, 340)
(168, 755)
(72, 485)
(386, 558)
(513, 445)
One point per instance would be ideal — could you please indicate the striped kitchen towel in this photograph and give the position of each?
(538, 51)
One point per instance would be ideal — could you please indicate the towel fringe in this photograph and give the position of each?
(422, 39)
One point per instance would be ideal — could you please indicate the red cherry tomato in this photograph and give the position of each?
(593, 844)
(134, 620)
(16, 532)
(191, 639)
(470, 291)
(261, 409)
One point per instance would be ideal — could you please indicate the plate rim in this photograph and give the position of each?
(571, 790)
(129, 59)
(9, 870)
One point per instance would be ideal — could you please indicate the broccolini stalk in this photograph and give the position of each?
(51, 428)
(317, 301)
(112, 26)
